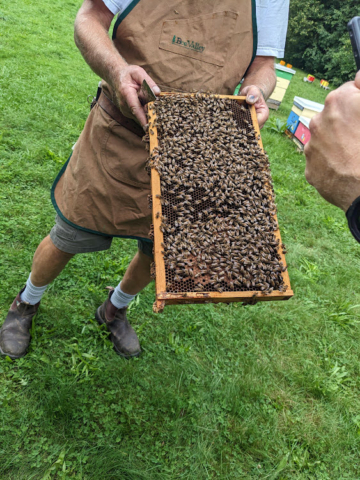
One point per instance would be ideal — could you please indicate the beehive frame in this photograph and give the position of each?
(166, 298)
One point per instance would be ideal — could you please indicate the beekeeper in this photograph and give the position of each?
(101, 192)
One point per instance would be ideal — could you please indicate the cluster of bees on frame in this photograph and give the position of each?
(217, 208)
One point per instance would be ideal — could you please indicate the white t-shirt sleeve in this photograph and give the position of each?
(117, 6)
(272, 22)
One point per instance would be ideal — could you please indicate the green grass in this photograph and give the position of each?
(263, 392)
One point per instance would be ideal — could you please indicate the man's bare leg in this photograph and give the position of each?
(137, 275)
(48, 262)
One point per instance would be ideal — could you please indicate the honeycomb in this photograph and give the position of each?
(217, 205)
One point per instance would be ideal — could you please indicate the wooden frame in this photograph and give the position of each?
(165, 298)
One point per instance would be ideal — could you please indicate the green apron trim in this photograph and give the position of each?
(58, 211)
(123, 15)
(255, 42)
(255, 32)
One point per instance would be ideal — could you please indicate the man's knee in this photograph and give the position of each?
(146, 248)
(58, 252)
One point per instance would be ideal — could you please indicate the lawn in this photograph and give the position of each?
(269, 391)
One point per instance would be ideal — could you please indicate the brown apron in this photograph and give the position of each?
(183, 46)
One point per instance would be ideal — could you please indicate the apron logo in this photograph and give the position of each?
(188, 44)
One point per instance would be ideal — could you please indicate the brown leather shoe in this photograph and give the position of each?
(15, 332)
(123, 336)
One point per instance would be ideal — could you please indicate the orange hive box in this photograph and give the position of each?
(197, 285)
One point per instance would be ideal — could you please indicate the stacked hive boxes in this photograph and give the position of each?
(283, 77)
(299, 119)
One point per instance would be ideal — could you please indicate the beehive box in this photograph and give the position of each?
(302, 132)
(292, 121)
(216, 237)
(283, 77)
(306, 108)
(284, 72)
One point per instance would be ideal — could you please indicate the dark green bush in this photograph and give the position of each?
(318, 40)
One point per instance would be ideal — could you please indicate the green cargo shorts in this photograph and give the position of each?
(73, 240)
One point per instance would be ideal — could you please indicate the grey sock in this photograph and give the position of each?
(32, 294)
(120, 299)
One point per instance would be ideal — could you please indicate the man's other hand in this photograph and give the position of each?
(333, 152)
(255, 97)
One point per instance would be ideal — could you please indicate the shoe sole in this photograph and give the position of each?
(101, 322)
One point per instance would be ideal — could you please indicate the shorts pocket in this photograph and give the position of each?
(205, 38)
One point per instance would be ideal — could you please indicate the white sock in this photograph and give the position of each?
(32, 294)
(120, 299)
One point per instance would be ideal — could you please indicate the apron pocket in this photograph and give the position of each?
(123, 156)
(205, 38)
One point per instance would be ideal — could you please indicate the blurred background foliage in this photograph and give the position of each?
(318, 40)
